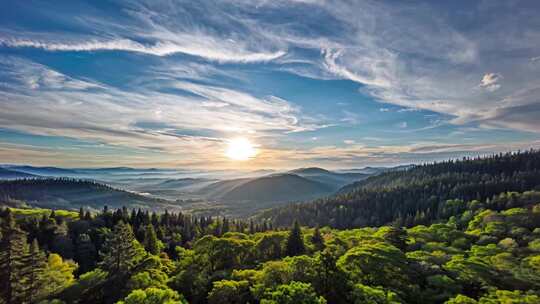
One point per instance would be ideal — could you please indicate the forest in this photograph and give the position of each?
(472, 246)
(417, 195)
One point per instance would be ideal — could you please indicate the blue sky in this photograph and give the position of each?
(337, 84)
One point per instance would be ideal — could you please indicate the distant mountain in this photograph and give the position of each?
(376, 170)
(310, 170)
(71, 194)
(219, 189)
(333, 179)
(44, 171)
(12, 174)
(181, 183)
(278, 188)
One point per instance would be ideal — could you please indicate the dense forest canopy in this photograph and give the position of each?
(416, 195)
(486, 252)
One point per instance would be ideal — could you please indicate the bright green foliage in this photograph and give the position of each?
(150, 273)
(121, 250)
(461, 299)
(58, 274)
(489, 253)
(270, 246)
(394, 236)
(295, 241)
(86, 287)
(226, 291)
(53, 301)
(224, 253)
(293, 293)
(190, 277)
(498, 297)
(153, 296)
(363, 294)
(375, 264)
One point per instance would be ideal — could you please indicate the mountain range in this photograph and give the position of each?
(204, 193)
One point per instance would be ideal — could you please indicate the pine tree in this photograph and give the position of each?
(121, 250)
(295, 241)
(85, 253)
(317, 239)
(36, 261)
(151, 242)
(13, 250)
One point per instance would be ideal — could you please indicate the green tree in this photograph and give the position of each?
(363, 294)
(121, 250)
(86, 253)
(226, 291)
(295, 241)
(317, 239)
(376, 264)
(331, 281)
(13, 250)
(292, 293)
(151, 242)
(57, 275)
(36, 266)
(461, 299)
(153, 296)
(396, 236)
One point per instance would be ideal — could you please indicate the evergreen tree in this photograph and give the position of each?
(317, 239)
(86, 253)
(295, 241)
(121, 250)
(151, 242)
(36, 261)
(13, 250)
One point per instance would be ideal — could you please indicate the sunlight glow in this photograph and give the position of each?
(240, 149)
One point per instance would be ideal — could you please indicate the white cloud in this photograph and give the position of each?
(202, 47)
(491, 81)
(349, 142)
(59, 105)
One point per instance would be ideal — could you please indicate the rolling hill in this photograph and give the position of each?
(43, 171)
(333, 179)
(12, 174)
(72, 194)
(278, 188)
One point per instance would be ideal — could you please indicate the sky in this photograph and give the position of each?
(334, 84)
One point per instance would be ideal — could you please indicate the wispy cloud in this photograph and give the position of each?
(205, 48)
(61, 105)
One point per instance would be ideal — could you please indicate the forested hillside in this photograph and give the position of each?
(65, 193)
(487, 252)
(415, 196)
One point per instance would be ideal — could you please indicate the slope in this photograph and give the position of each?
(406, 196)
(71, 194)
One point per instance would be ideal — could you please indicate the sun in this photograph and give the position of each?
(240, 149)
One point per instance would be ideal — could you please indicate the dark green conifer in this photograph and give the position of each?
(13, 253)
(295, 242)
(121, 250)
(151, 242)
